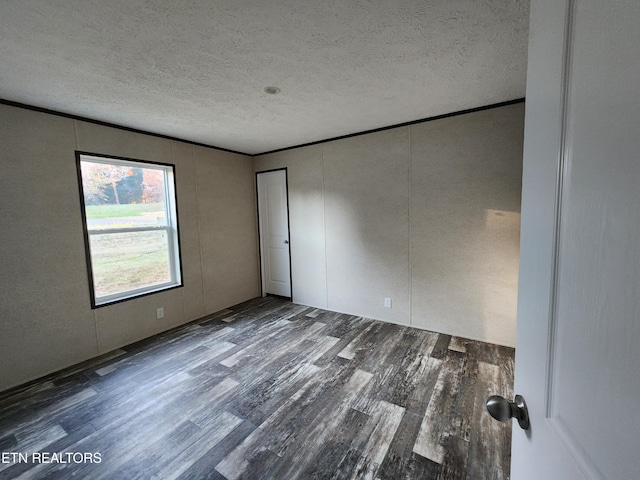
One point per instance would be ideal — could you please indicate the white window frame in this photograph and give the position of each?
(171, 228)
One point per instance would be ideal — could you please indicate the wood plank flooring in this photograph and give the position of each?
(267, 390)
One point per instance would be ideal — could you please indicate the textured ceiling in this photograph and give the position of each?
(197, 69)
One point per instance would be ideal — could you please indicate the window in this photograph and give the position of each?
(131, 227)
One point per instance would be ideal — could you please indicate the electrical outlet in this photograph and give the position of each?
(160, 312)
(387, 302)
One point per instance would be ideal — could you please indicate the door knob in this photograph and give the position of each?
(286, 241)
(503, 410)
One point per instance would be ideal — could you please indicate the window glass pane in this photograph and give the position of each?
(131, 227)
(120, 196)
(126, 261)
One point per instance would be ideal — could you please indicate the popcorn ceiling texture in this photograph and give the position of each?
(197, 70)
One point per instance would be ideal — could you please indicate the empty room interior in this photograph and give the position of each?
(259, 239)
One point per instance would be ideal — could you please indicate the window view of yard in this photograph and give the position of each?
(124, 210)
(130, 239)
(125, 261)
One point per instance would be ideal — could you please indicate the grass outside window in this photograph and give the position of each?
(130, 227)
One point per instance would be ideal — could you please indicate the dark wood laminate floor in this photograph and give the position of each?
(268, 389)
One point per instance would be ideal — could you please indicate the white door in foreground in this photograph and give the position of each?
(578, 354)
(274, 233)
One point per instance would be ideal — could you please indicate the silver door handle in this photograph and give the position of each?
(286, 241)
(503, 410)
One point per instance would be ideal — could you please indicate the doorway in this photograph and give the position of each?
(273, 230)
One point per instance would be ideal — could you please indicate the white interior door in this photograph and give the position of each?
(274, 233)
(578, 354)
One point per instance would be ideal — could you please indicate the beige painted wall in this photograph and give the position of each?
(428, 215)
(46, 322)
